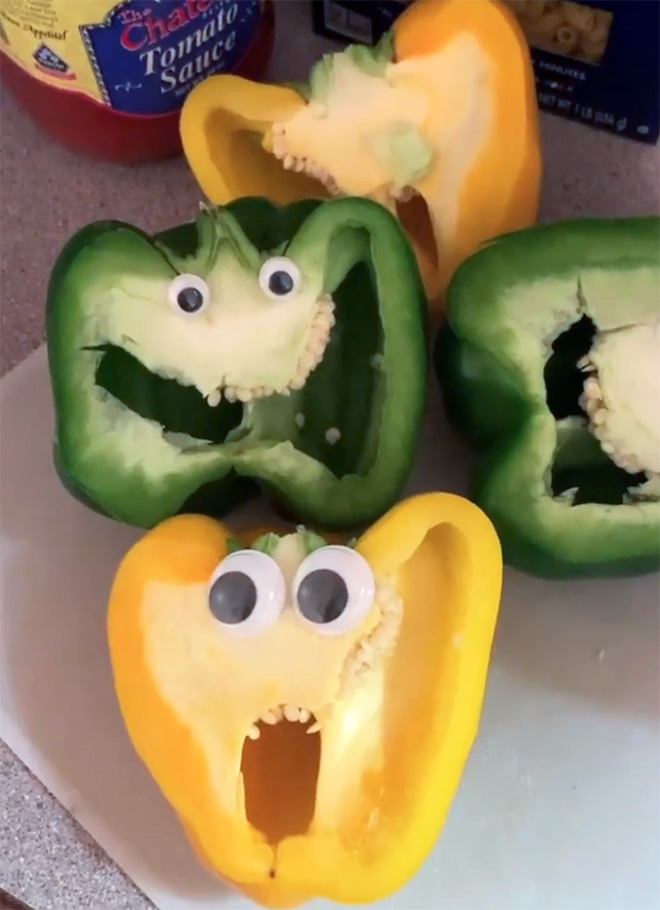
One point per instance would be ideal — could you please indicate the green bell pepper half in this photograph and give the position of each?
(283, 347)
(549, 367)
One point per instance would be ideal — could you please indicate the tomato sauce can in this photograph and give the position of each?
(108, 79)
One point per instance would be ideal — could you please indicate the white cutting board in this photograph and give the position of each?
(559, 808)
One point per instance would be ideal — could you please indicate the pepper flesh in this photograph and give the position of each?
(439, 122)
(391, 747)
(319, 396)
(567, 474)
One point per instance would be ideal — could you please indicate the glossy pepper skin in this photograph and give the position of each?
(349, 810)
(297, 362)
(439, 122)
(573, 492)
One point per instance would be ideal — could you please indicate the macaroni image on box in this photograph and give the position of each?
(564, 27)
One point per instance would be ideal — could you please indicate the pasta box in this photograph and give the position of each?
(597, 61)
(360, 21)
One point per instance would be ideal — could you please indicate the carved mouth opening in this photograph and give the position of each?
(580, 465)
(180, 410)
(280, 770)
(259, 168)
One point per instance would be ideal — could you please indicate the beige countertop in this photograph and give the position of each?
(47, 193)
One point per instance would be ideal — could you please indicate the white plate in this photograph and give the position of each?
(559, 808)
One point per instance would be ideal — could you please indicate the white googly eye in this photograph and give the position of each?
(189, 294)
(279, 278)
(246, 593)
(333, 590)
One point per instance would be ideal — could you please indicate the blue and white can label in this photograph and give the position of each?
(147, 55)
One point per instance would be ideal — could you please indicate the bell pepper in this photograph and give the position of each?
(439, 122)
(549, 367)
(284, 346)
(307, 708)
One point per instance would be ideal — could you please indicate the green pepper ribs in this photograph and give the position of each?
(550, 366)
(260, 345)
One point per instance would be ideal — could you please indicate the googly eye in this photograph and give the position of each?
(246, 593)
(189, 294)
(333, 589)
(279, 277)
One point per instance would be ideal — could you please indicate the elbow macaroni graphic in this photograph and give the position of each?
(564, 27)
(567, 38)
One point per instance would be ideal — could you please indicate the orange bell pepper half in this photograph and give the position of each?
(308, 708)
(439, 122)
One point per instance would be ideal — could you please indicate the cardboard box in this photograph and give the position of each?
(355, 21)
(596, 61)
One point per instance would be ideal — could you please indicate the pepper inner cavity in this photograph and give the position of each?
(583, 471)
(279, 803)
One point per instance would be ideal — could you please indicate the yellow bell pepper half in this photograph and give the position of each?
(439, 122)
(308, 708)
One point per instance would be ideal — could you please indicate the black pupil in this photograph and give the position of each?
(233, 597)
(322, 596)
(190, 299)
(280, 282)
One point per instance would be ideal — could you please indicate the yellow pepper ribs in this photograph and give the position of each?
(307, 708)
(439, 122)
